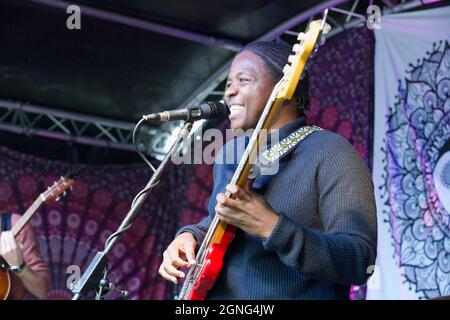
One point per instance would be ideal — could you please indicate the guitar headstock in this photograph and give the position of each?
(308, 44)
(57, 189)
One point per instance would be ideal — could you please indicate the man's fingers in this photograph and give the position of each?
(4, 239)
(9, 241)
(224, 201)
(189, 250)
(180, 253)
(180, 263)
(168, 271)
(176, 259)
(6, 242)
(1, 243)
(225, 219)
(172, 271)
(167, 276)
(227, 215)
(237, 192)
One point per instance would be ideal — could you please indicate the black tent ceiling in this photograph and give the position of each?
(118, 71)
(131, 58)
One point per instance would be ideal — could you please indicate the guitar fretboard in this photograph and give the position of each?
(26, 216)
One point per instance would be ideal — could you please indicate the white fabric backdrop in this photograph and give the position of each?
(411, 157)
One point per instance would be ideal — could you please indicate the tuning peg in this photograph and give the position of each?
(286, 69)
(326, 28)
(301, 36)
(296, 48)
(291, 59)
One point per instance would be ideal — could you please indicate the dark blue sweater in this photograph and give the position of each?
(325, 238)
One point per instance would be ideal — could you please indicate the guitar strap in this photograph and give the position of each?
(270, 157)
(5, 221)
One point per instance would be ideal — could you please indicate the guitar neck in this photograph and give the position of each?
(27, 216)
(218, 227)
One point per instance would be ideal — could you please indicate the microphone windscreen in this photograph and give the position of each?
(216, 110)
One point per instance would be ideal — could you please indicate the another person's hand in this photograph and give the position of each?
(179, 254)
(247, 210)
(10, 249)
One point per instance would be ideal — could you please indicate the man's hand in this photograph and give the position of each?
(246, 210)
(179, 254)
(10, 249)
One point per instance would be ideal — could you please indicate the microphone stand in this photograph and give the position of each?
(95, 274)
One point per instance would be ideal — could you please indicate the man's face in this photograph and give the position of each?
(249, 86)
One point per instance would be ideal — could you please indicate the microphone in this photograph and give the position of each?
(206, 110)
